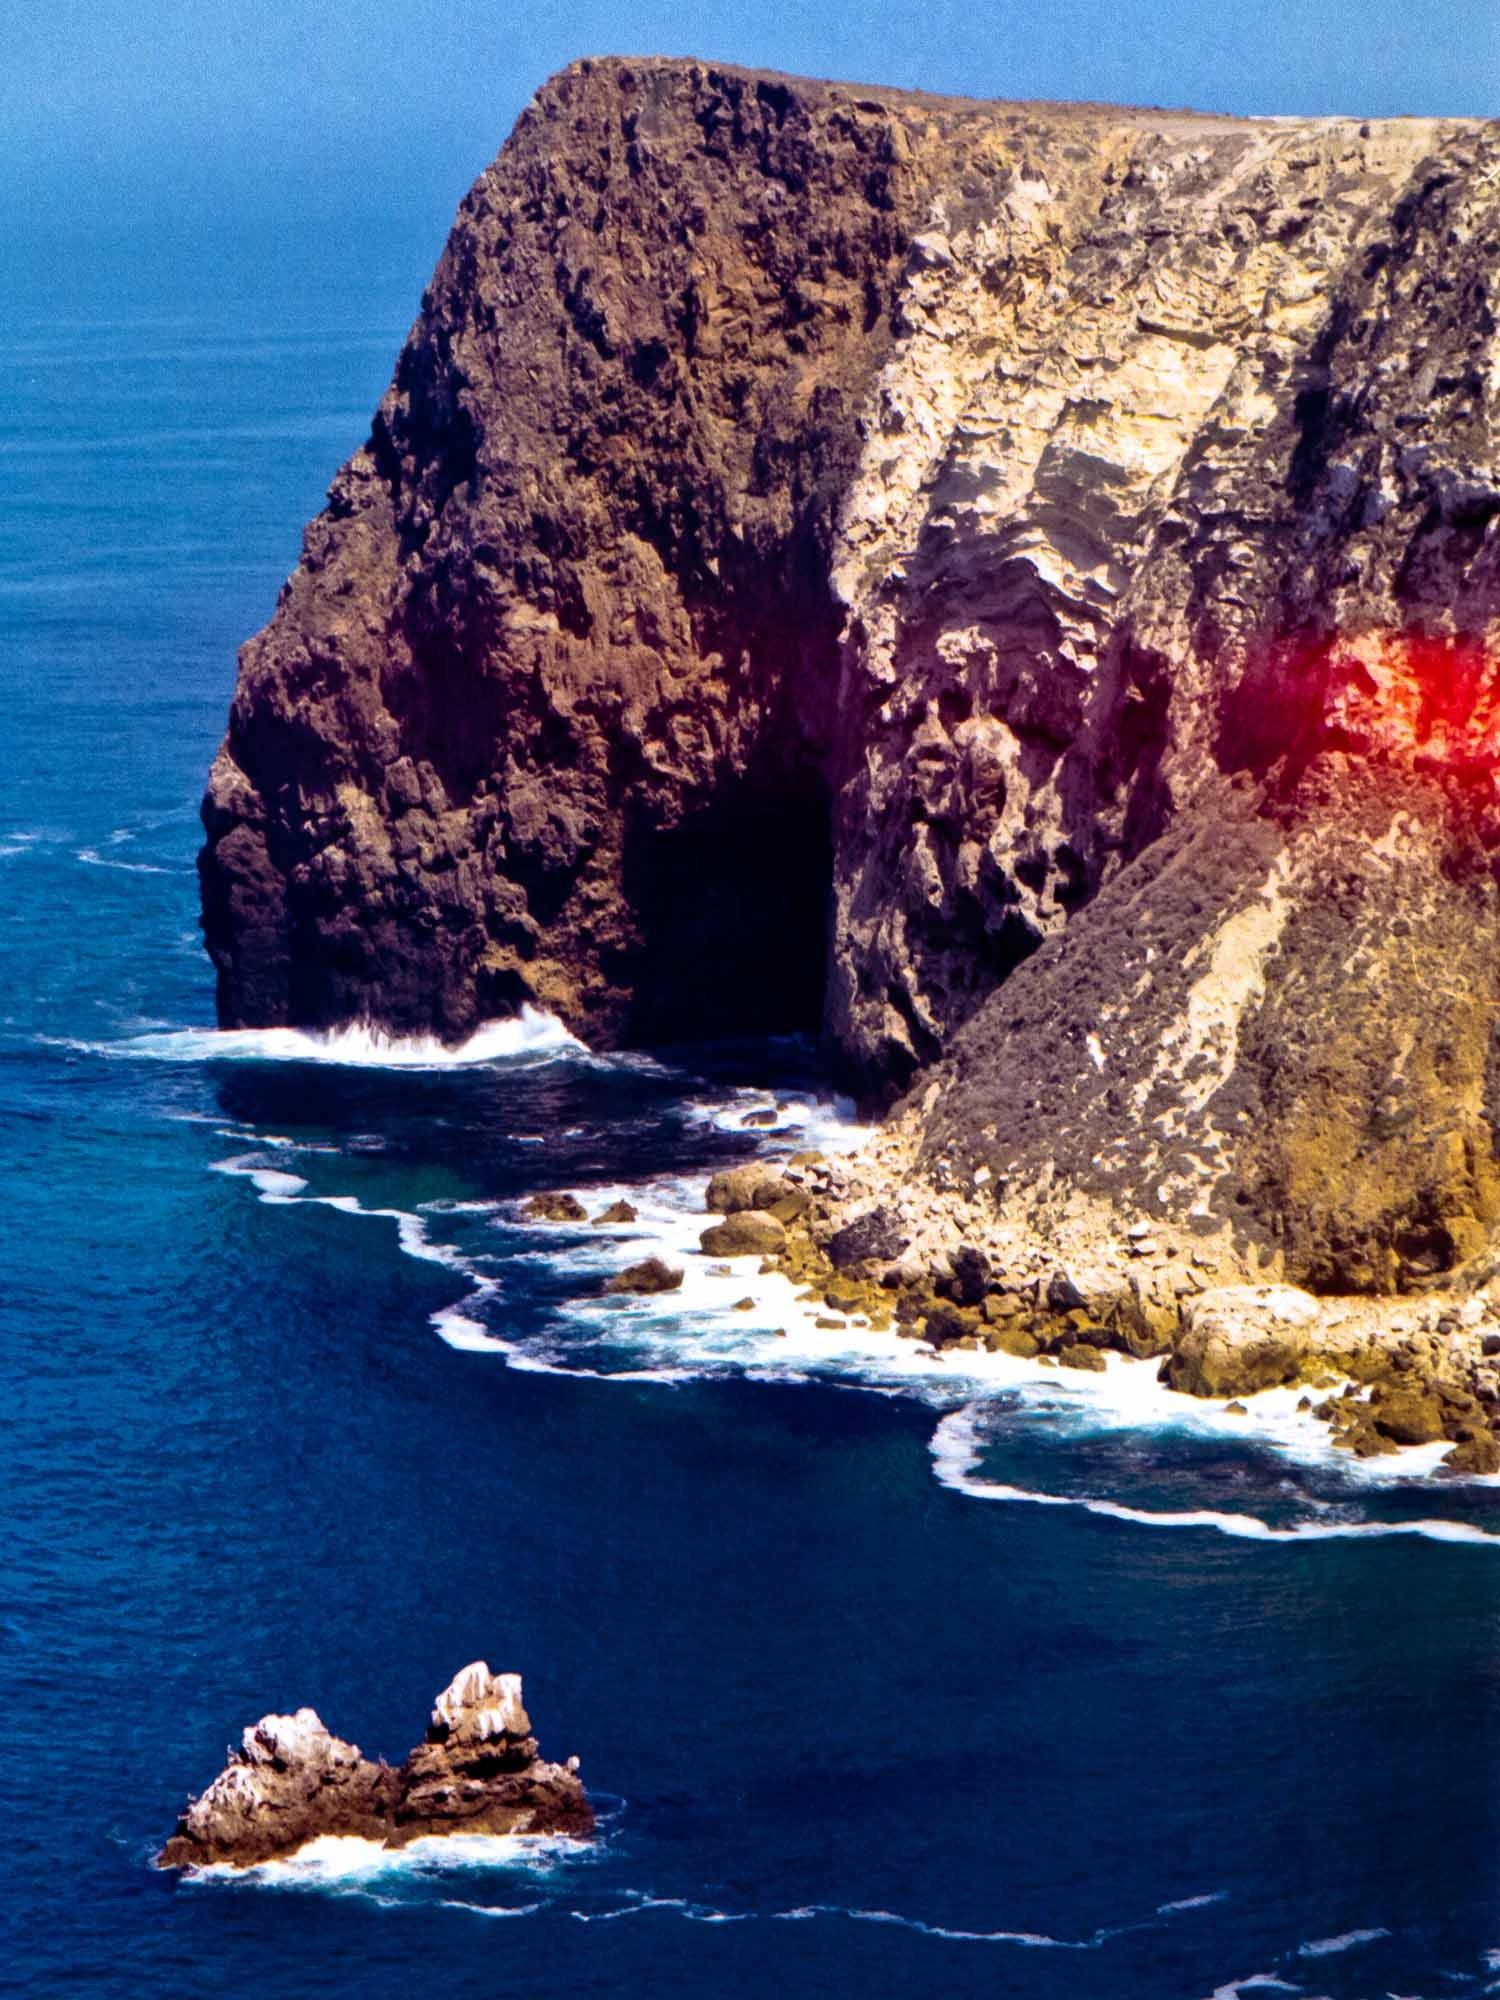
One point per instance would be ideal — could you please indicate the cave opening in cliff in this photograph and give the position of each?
(733, 908)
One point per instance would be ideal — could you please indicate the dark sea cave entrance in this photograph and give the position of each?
(733, 906)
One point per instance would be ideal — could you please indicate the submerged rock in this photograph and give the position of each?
(477, 1770)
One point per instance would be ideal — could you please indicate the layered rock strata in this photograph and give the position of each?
(292, 1781)
(1014, 587)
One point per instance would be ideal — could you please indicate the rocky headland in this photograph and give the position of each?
(1011, 588)
(476, 1771)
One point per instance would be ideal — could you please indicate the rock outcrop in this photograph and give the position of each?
(477, 1770)
(1015, 587)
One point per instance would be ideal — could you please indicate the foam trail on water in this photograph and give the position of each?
(345, 1864)
(1328, 1947)
(490, 1909)
(1253, 1982)
(955, 1449)
(638, 1904)
(92, 858)
(359, 1046)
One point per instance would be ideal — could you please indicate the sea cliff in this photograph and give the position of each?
(1011, 588)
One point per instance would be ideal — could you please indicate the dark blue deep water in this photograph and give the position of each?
(859, 1723)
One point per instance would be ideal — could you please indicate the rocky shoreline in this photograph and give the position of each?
(476, 1771)
(1383, 1372)
(868, 1246)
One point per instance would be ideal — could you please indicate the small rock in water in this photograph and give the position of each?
(651, 1275)
(618, 1211)
(1079, 1354)
(759, 1118)
(556, 1208)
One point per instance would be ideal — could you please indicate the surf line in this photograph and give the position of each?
(956, 1454)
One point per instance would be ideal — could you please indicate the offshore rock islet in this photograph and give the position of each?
(476, 1771)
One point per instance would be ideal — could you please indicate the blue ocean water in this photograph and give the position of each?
(887, 1680)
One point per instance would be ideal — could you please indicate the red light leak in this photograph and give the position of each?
(1401, 698)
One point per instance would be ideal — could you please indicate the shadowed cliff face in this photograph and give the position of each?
(819, 542)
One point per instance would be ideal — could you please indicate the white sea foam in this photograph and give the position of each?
(707, 1913)
(1328, 1947)
(779, 1338)
(1253, 1982)
(92, 858)
(338, 1858)
(638, 1904)
(528, 1033)
(469, 1335)
(490, 1909)
(826, 1124)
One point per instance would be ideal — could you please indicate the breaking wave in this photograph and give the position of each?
(345, 1863)
(529, 1033)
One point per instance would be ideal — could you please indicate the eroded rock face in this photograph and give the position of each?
(1015, 586)
(292, 1781)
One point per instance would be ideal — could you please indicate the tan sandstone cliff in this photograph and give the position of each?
(1011, 586)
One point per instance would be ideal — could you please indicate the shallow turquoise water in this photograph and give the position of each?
(857, 1725)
